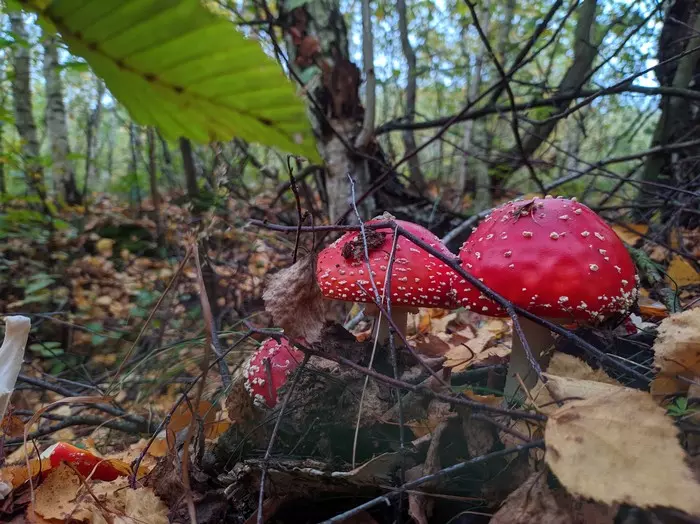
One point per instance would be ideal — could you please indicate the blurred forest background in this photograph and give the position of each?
(438, 111)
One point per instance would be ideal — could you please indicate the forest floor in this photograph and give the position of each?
(120, 336)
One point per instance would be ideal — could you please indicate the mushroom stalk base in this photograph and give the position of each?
(400, 317)
(540, 340)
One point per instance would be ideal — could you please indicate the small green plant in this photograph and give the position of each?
(680, 408)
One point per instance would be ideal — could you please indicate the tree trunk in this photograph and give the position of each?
(317, 43)
(585, 51)
(416, 175)
(153, 183)
(3, 187)
(679, 118)
(135, 149)
(189, 168)
(167, 162)
(464, 180)
(93, 126)
(24, 119)
(62, 166)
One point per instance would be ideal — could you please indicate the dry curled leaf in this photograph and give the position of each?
(677, 353)
(535, 501)
(294, 300)
(620, 448)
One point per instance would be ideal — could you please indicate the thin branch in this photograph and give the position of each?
(443, 473)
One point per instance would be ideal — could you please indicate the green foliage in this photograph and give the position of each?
(680, 408)
(178, 66)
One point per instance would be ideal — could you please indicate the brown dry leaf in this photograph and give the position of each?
(183, 416)
(677, 353)
(142, 505)
(438, 411)
(18, 472)
(630, 237)
(620, 448)
(294, 300)
(420, 507)
(564, 365)
(535, 501)
(564, 388)
(239, 403)
(12, 425)
(682, 272)
(465, 352)
(119, 504)
(56, 497)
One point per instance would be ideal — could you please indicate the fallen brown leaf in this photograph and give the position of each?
(56, 497)
(620, 448)
(294, 300)
(565, 365)
(681, 272)
(677, 353)
(535, 501)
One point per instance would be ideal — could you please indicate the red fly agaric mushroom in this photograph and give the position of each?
(553, 257)
(418, 279)
(268, 369)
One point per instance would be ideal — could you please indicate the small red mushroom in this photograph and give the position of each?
(88, 464)
(268, 369)
(418, 279)
(554, 257)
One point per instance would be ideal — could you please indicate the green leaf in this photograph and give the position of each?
(74, 65)
(176, 65)
(293, 4)
(38, 285)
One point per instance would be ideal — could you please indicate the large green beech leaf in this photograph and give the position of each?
(176, 65)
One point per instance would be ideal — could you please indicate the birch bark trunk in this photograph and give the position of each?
(62, 166)
(24, 118)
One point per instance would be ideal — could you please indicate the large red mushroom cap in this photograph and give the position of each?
(282, 358)
(551, 256)
(418, 278)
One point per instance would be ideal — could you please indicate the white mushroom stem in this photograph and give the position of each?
(400, 317)
(11, 356)
(540, 340)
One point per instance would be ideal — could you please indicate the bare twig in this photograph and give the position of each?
(273, 437)
(443, 473)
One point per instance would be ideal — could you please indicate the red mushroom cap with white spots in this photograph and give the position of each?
(551, 256)
(418, 278)
(263, 383)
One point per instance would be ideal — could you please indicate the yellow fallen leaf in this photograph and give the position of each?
(56, 497)
(677, 353)
(565, 365)
(464, 352)
(630, 237)
(621, 448)
(104, 247)
(681, 272)
(566, 388)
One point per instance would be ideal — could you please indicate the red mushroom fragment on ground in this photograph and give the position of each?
(418, 279)
(554, 257)
(87, 463)
(268, 370)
